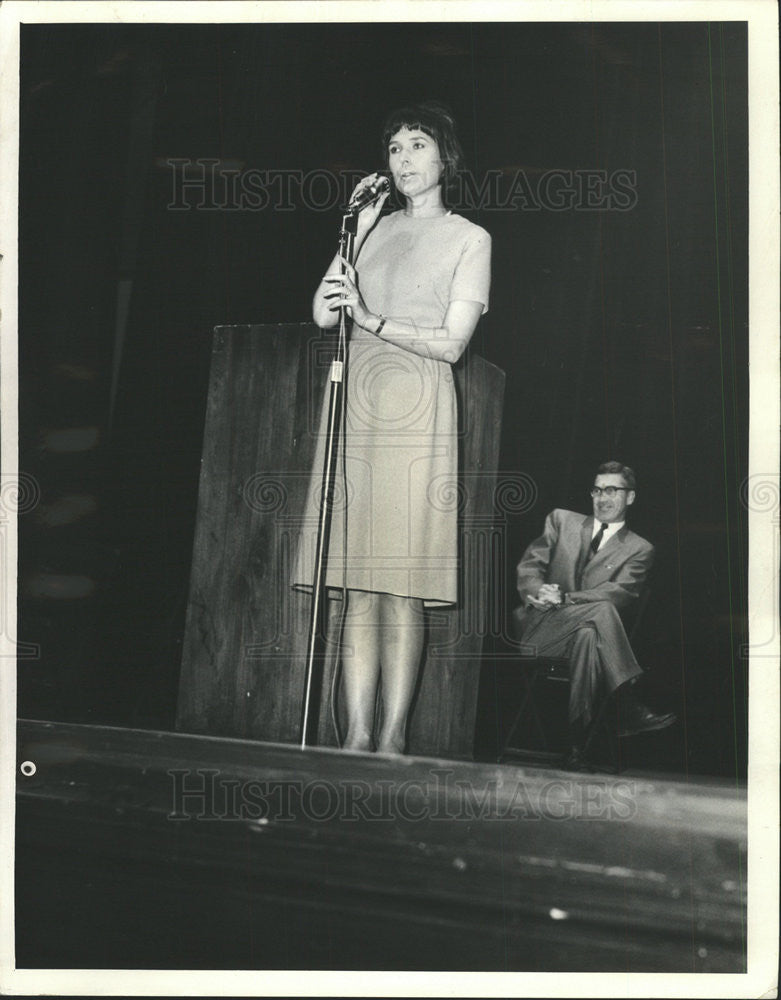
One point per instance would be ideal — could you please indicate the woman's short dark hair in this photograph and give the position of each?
(436, 120)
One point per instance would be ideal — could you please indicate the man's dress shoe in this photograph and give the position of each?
(574, 760)
(635, 717)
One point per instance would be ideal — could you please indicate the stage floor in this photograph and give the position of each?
(143, 849)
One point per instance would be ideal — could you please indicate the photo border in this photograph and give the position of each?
(764, 520)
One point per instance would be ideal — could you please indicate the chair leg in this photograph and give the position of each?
(528, 701)
(597, 723)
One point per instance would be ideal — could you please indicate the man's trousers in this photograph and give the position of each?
(593, 638)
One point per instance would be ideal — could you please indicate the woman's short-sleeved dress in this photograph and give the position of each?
(396, 487)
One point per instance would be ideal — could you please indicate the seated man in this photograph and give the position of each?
(575, 582)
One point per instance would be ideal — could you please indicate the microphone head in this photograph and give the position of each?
(369, 193)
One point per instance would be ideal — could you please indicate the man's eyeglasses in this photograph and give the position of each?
(609, 491)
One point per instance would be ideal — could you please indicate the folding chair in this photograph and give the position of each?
(554, 670)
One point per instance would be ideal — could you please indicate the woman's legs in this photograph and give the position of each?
(360, 666)
(382, 636)
(401, 645)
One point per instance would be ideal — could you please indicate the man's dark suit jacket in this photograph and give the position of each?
(616, 573)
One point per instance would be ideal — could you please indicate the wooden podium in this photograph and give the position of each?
(244, 649)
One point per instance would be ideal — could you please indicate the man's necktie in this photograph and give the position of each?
(592, 549)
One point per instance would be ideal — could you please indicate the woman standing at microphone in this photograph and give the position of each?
(418, 288)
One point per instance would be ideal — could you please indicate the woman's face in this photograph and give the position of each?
(413, 160)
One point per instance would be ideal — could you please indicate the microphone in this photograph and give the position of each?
(368, 194)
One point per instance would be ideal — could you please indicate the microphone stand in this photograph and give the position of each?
(317, 614)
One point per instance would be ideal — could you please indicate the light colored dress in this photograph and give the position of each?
(400, 461)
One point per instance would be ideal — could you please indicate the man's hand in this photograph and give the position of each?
(549, 595)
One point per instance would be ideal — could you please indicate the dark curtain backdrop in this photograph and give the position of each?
(622, 328)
